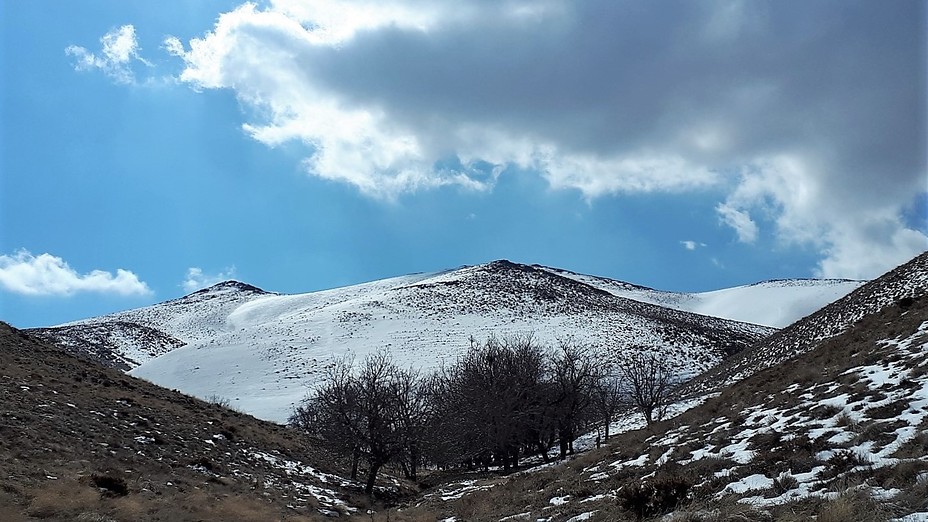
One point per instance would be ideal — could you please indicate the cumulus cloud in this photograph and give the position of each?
(119, 49)
(45, 274)
(811, 118)
(196, 279)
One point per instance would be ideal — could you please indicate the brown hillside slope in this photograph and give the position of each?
(83, 442)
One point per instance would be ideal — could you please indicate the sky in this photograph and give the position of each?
(149, 151)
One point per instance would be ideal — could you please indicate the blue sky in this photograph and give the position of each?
(146, 152)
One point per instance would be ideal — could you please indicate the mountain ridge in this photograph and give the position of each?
(263, 350)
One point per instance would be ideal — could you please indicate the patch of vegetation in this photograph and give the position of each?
(785, 482)
(659, 495)
(111, 485)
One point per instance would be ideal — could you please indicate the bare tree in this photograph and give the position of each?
(574, 373)
(607, 399)
(490, 401)
(358, 413)
(648, 383)
(332, 413)
(379, 408)
(415, 411)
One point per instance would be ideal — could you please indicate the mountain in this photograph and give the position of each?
(777, 303)
(263, 351)
(82, 442)
(831, 425)
(127, 339)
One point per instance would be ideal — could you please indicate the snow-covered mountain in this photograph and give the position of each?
(776, 303)
(263, 351)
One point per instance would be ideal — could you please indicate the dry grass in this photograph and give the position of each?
(71, 500)
(857, 506)
(69, 428)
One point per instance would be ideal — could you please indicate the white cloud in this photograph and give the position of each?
(196, 279)
(266, 57)
(692, 245)
(740, 221)
(601, 98)
(45, 274)
(119, 48)
(859, 236)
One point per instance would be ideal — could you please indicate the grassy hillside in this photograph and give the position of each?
(83, 442)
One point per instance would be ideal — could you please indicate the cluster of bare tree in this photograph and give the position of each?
(501, 401)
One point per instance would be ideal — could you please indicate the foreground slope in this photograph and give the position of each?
(83, 442)
(839, 432)
(264, 351)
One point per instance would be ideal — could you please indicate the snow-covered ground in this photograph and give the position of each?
(263, 352)
(824, 414)
(776, 303)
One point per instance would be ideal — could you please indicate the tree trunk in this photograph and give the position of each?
(414, 466)
(371, 478)
(355, 460)
(563, 443)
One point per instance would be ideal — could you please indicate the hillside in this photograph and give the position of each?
(83, 442)
(837, 433)
(899, 285)
(776, 303)
(127, 339)
(264, 351)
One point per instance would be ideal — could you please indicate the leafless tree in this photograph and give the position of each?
(358, 413)
(491, 400)
(379, 407)
(648, 382)
(574, 374)
(415, 411)
(332, 413)
(607, 399)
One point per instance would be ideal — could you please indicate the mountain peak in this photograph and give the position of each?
(230, 286)
(504, 264)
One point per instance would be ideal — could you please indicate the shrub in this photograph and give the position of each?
(219, 400)
(785, 482)
(858, 506)
(661, 495)
(845, 420)
(825, 411)
(113, 486)
(903, 474)
(915, 447)
(845, 460)
(915, 496)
